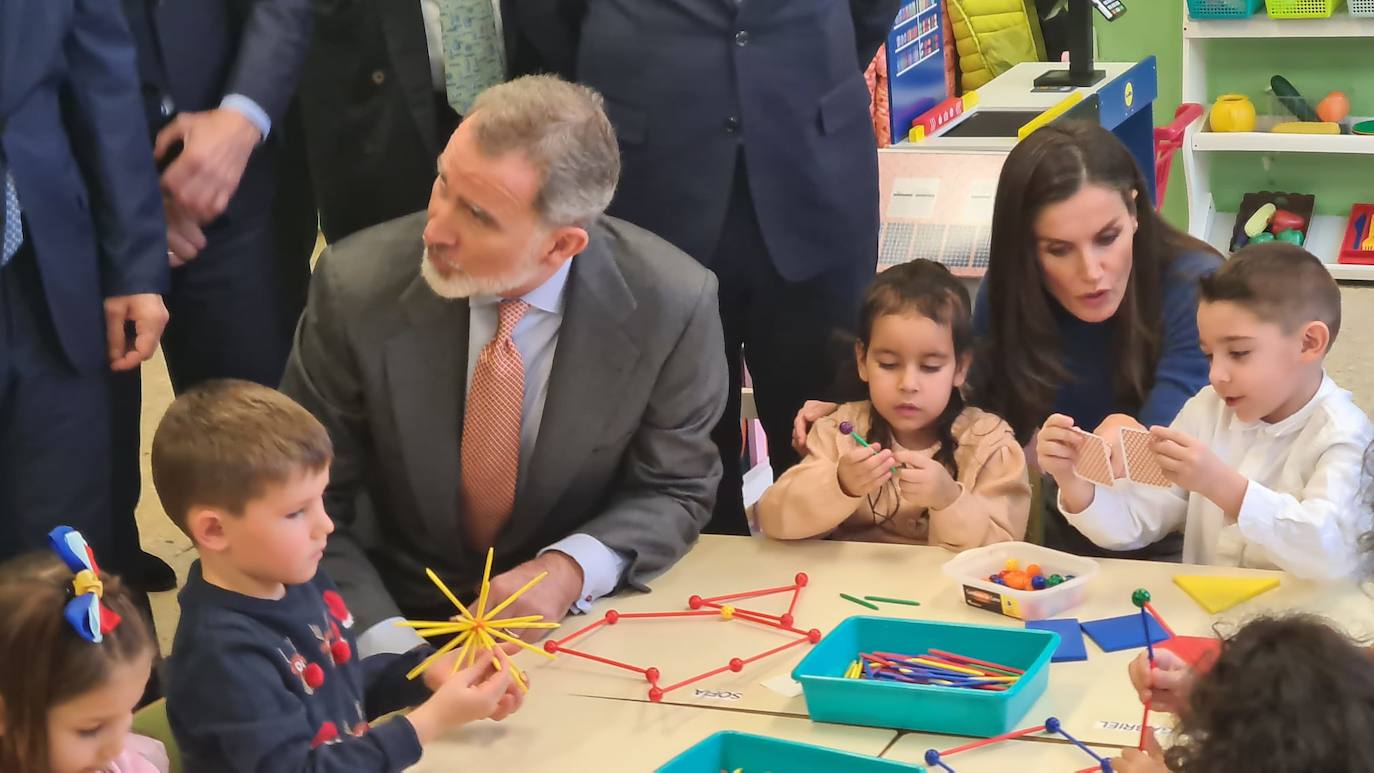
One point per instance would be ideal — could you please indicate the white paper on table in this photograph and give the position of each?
(784, 685)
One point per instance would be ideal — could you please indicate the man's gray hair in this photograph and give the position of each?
(562, 129)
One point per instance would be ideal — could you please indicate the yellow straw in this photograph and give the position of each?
(486, 586)
(454, 642)
(449, 593)
(516, 594)
(433, 623)
(506, 620)
(531, 648)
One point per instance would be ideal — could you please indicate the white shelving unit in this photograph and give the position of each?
(1200, 146)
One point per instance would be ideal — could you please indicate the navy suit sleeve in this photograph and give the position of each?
(230, 711)
(388, 689)
(275, 40)
(872, 23)
(109, 135)
(1182, 368)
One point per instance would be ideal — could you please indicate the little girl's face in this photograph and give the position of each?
(88, 731)
(911, 370)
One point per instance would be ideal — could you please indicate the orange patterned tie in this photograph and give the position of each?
(491, 431)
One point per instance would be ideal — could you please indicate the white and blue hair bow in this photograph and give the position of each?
(91, 619)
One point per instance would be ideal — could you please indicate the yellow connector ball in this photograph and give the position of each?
(1012, 565)
(727, 612)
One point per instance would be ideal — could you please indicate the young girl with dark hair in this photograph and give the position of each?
(929, 470)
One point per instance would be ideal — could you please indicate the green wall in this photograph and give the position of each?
(1314, 65)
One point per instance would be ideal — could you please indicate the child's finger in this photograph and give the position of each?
(1058, 420)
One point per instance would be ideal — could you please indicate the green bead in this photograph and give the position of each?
(1141, 597)
(1054, 580)
(1292, 236)
(1262, 238)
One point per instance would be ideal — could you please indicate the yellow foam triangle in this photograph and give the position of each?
(1218, 594)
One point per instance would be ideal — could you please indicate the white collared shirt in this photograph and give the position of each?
(1303, 511)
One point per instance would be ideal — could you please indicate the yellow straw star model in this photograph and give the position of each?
(478, 631)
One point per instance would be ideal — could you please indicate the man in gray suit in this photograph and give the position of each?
(513, 369)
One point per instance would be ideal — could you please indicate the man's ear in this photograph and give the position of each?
(567, 241)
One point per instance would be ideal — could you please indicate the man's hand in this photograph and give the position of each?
(810, 411)
(216, 145)
(149, 317)
(185, 240)
(552, 597)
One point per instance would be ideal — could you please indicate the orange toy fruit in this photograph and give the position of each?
(1334, 107)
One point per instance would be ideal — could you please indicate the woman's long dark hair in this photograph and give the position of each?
(1286, 694)
(929, 289)
(1018, 371)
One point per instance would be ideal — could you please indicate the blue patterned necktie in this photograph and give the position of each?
(472, 57)
(12, 226)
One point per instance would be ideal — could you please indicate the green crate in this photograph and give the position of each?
(1301, 9)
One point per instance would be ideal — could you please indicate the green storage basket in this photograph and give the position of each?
(1301, 9)
(1223, 9)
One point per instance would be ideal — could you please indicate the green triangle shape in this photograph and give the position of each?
(1218, 594)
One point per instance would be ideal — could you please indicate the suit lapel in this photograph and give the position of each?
(591, 365)
(403, 27)
(426, 370)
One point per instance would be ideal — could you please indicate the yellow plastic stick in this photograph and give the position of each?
(516, 594)
(454, 642)
(511, 620)
(486, 586)
(530, 647)
(435, 578)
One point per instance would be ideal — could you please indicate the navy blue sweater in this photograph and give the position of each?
(274, 686)
(1086, 351)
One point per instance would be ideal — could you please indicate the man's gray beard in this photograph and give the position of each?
(461, 285)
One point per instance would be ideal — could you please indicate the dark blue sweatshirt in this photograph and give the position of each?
(275, 687)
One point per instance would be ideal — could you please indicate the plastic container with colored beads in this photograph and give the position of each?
(930, 708)
(972, 568)
(730, 751)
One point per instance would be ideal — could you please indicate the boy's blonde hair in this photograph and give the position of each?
(1280, 283)
(224, 442)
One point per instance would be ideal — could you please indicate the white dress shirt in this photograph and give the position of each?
(1303, 511)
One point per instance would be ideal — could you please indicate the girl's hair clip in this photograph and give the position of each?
(87, 615)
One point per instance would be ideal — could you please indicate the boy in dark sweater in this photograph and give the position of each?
(263, 675)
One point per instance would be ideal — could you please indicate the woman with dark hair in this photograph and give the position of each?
(1088, 307)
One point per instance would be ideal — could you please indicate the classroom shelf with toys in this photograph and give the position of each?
(1271, 117)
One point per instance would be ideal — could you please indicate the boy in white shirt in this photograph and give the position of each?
(1267, 460)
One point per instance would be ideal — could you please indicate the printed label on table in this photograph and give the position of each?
(992, 602)
(1130, 727)
(719, 695)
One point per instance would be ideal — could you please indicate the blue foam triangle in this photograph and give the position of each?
(1071, 645)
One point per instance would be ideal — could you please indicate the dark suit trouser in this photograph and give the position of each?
(54, 427)
(232, 314)
(788, 332)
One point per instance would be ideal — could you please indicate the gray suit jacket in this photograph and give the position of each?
(624, 451)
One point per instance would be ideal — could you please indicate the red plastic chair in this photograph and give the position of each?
(1168, 139)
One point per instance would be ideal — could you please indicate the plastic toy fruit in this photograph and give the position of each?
(1233, 113)
(1334, 107)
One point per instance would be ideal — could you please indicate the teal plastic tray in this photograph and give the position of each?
(730, 751)
(930, 708)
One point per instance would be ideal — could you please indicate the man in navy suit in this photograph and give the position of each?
(217, 77)
(83, 260)
(746, 142)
